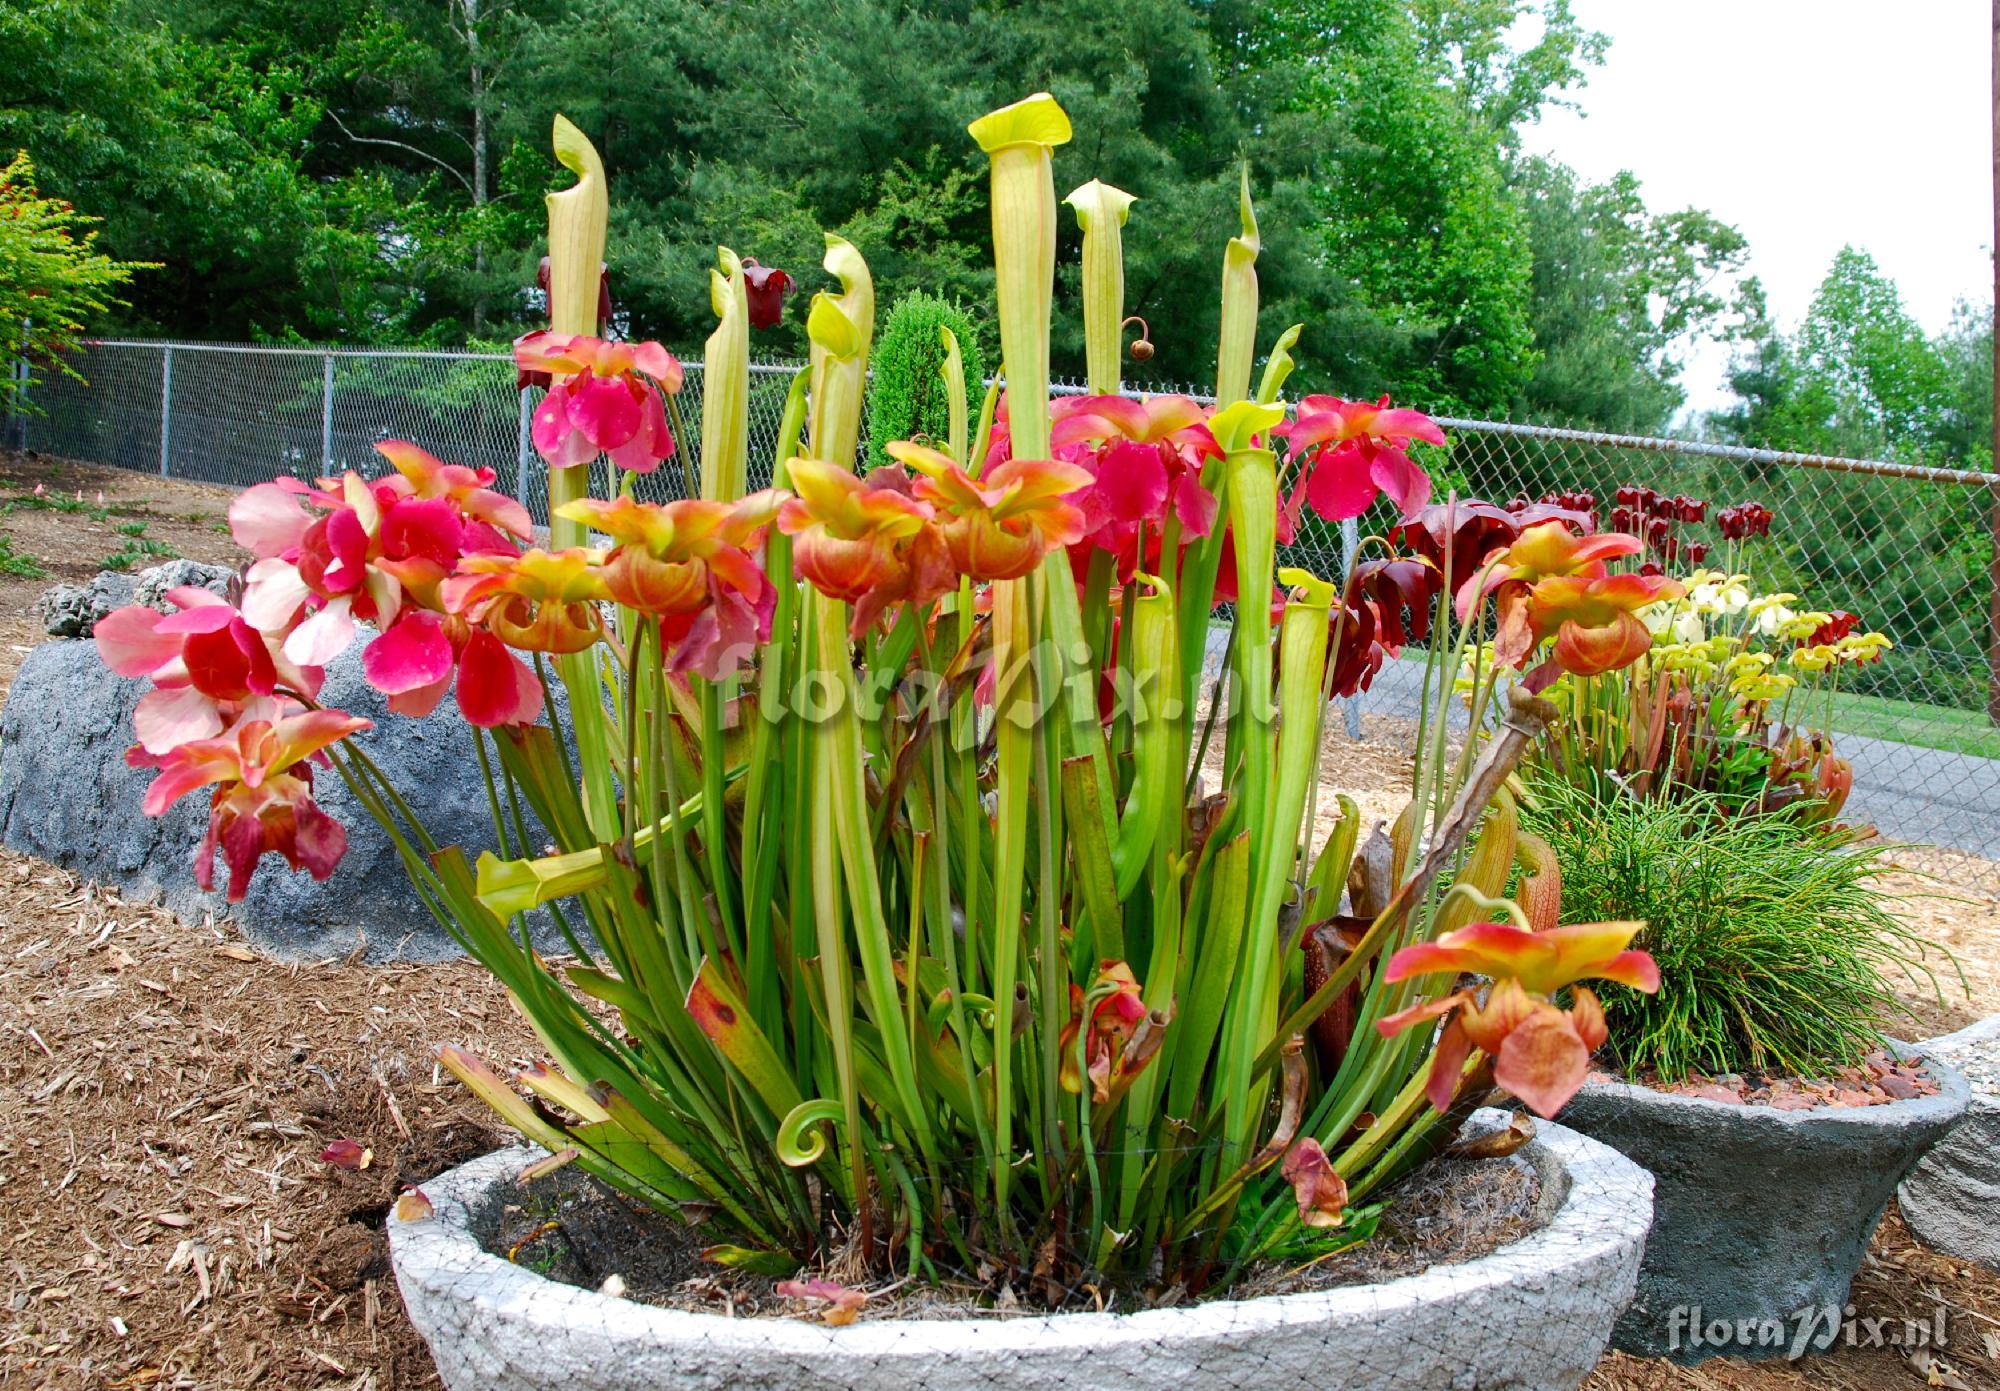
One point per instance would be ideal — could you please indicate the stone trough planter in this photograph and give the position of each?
(1762, 1216)
(1533, 1314)
(1951, 1200)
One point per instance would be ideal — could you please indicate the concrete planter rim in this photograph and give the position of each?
(1945, 1103)
(1598, 1221)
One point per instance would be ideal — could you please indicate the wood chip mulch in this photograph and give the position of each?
(165, 1094)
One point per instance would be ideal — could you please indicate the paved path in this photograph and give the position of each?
(1908, 792)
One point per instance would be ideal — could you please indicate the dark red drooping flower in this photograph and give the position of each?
(1838, 625)
(1744, 520)
(766, 288)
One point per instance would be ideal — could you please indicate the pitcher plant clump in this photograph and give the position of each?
(934, 904)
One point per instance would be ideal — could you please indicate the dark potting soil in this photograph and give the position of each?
(572, 1229)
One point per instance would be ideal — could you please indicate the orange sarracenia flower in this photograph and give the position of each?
(1000, 525)
(866, 541)
(667, 552)
(539, 601)
(1553, 583)
(690, 565)
(1540, 1051)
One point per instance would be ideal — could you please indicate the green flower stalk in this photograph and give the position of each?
(1017, 140)
(952, 372)
(725, 384)
(1101, 211)
(1238, 347)
(839, 330)
(578, 217)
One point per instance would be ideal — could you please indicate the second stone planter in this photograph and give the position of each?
(1761, 1216)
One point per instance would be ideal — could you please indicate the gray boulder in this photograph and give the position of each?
(1952, 1198)
(67, 796)
(151, 590)
(72, 610)
(1760, 1216)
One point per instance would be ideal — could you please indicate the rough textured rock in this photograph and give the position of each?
(1761, 1216)
(67, 796)
(154, 583)
(72, 610)
(1952, 1198)
(1534, 1314)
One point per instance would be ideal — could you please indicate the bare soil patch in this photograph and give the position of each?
(575, 1230)
(72, 527)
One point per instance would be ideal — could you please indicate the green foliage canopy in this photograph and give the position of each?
(372, 170)
(52, 277)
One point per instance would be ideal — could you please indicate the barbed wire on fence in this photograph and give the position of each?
(1907, 547)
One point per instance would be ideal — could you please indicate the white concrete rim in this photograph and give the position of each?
(1607, 1207)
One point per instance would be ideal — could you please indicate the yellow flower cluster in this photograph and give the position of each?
(1855, 649)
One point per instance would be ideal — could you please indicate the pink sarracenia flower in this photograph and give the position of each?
(261, 769)
(206, 664)
(604, 398)
(352, 550)
(1348, 453)
(1146, 457)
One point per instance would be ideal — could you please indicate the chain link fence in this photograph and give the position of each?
(1909, 549)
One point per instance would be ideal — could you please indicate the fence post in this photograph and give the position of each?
(20, 371)
(1350, 543)
(326, 417)
(522, 492)
(166, 409)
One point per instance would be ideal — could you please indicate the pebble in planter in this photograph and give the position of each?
(1762, 1215)
(1952, 1198)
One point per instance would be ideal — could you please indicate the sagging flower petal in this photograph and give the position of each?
(1321, 1192)
(1541, 1051)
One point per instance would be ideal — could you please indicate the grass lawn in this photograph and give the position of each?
(1907, 722)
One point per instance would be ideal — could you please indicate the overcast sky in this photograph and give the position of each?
(1808, 124)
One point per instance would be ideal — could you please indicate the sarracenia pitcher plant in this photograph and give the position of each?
(931, 900)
